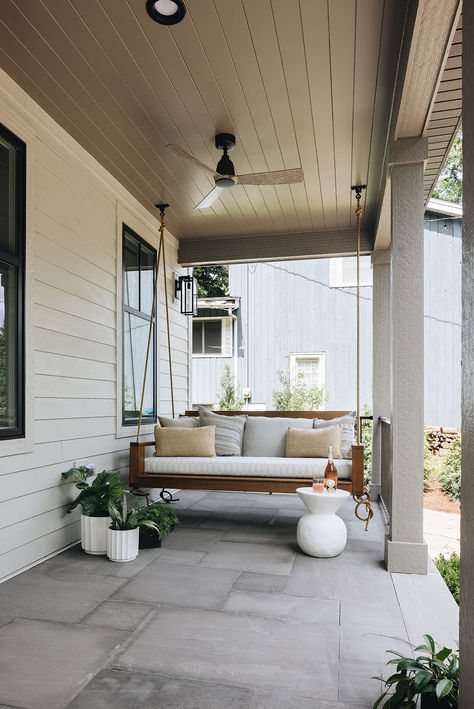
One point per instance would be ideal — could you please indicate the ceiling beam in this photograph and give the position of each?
(277, 247)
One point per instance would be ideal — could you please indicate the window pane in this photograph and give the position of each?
(212, 337)
(135, 338)
(197, 337)
(8, 347)
(7, 198)
(147, 272)
(308, 372)
(131, 272)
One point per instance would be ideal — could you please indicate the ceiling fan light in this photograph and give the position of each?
(166, 12)
(224, 182)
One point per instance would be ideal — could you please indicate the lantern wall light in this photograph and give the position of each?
(185, 287)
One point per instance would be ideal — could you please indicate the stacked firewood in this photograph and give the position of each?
(440, 439)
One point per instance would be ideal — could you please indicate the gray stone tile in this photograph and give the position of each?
(66, 597)
(372, 646)
(131, 568)
(256, 533)
(180, 585)
(356, 683)
(243, 515)
(373, 616)
(113, 689)
(195, 539)
(191, 519)
(291, 609)
(261, 557)
(265, 583)
(180, 556)
(350, 576)
(45, 664)
(119, 615)
(269, 700)
(239, 650)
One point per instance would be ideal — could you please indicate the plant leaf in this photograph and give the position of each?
(443, 654)
(429, 641)
(443, 688)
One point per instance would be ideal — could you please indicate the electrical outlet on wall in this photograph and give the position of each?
(90, 467)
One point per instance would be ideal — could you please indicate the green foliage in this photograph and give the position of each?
(163, 517)
(449, 185)
(94, 498)
(435, 672)
(450, 477)
(124, 517)
(295, 396)
(229, 399)
(449, 570)
(212, 281)
(428, 467)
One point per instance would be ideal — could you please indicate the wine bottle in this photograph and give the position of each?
(330, 473)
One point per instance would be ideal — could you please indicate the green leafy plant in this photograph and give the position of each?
(428, 467)
(449, 185)
(228, 396)
(124, 517)
(435, 672)
(212, 281)
(293, 394)
(448, 567)
(95, 497)
(163, 517)
(450, 476)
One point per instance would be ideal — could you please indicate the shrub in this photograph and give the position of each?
(449, 570)
(428, 467)
(294, 396)
(450, 477)
(228, 396)
(94, 498)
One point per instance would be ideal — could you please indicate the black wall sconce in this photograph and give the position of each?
(186, 288)
(166, 12)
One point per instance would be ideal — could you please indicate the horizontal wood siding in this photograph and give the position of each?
(74, 272)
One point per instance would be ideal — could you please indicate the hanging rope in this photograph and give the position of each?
(363, 499)
(161, 250)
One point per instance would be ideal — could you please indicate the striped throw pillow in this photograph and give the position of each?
(348, 423)
(229, 431)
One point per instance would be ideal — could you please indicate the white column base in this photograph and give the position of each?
(406, 557)
(375, 491)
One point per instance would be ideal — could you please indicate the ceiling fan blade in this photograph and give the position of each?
(278, 177)
(210, 198)
(180, 153)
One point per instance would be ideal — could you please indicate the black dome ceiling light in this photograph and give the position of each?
(166, 12)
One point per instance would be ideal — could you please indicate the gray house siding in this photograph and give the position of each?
(290, 306)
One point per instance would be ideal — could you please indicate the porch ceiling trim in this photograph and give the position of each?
(279, 247)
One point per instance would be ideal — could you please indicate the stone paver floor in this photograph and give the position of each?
(228, 614)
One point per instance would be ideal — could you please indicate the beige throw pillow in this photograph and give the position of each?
(185, 442)
(313, 443)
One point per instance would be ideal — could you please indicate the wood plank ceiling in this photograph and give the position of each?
(306, 83)
(446, 114)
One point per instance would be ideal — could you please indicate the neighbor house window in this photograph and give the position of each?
(308, 368)
(12, 274)
(212, 337)
(343, 272)
(138, 271)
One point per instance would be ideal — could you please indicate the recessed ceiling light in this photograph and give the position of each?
(166, 12)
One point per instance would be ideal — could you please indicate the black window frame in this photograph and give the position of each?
(18, 262)
(146, 418)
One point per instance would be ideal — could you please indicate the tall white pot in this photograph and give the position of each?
(122, 545)
(94, 534)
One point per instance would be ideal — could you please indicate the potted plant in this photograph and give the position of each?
(433, 675)
(94, 498)
(123, 532)
(162, 516)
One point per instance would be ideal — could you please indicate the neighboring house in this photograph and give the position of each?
(302, 314)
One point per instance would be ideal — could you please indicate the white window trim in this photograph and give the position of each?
(224, 354)
(302, 356)
(336, 275)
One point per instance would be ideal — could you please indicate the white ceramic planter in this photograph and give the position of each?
(122, 545)
(94, 534)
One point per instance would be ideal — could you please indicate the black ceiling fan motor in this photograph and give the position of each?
(225, 142)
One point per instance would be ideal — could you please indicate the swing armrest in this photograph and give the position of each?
(137, 460)
(357, 469)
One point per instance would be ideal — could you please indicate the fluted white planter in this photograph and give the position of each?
(94, 534)
(122, 545)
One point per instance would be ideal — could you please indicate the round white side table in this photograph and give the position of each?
(320, 531)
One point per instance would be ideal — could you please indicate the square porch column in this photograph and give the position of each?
(381, 380)
(405, 549)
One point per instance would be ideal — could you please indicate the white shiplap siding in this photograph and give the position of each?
(74, 221)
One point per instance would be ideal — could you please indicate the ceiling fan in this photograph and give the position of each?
(224, 174)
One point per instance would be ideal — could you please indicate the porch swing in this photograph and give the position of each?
(141, 478)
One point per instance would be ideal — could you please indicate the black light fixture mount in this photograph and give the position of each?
(185, 287)
(166, 12)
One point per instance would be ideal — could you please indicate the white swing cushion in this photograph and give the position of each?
(246, 466)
